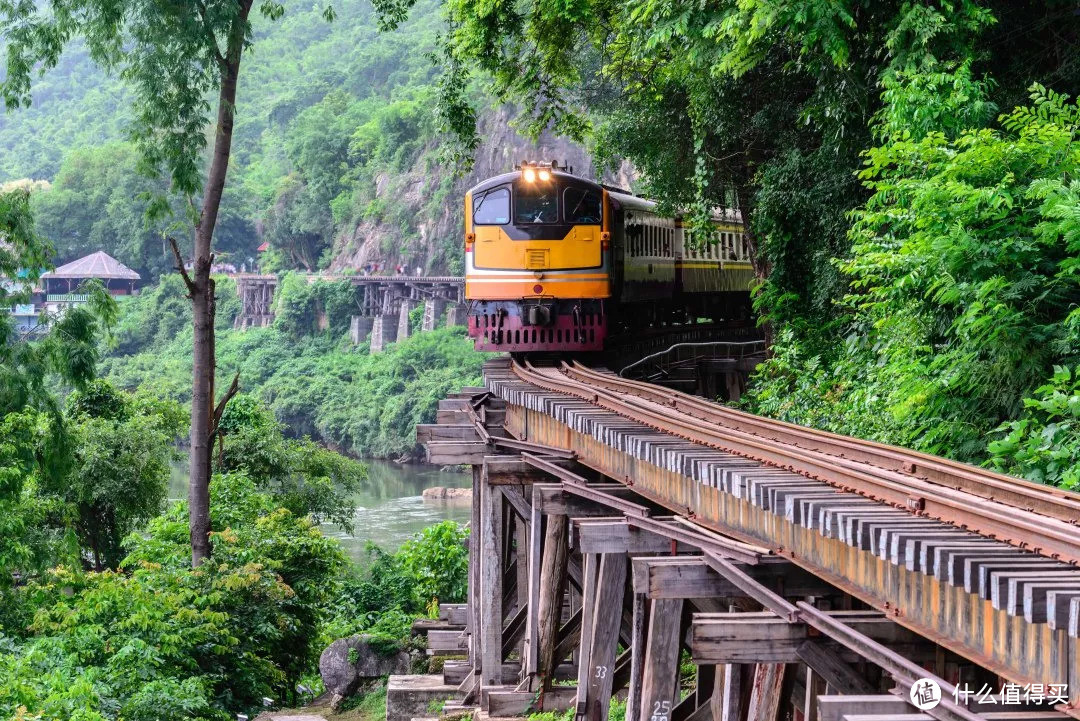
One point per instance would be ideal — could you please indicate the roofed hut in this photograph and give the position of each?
(117, 277)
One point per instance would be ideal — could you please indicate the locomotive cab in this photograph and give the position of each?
(537, 261)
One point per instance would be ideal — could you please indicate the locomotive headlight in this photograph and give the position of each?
(530, 175)
(545, 175)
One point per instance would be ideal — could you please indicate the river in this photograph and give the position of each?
(389, 509)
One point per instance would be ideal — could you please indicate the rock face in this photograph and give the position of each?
(431, 239)
(347, 662)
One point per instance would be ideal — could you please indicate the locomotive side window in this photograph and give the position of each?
(492, 208)
(536, 203)
(582, 206)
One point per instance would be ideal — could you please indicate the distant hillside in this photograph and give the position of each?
(334, 160)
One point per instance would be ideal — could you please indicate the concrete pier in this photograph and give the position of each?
(383, 331)
(403, 319)
(457, 314)
(360, 328)
(433, 311)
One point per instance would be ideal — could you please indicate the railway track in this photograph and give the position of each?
(1029, 516)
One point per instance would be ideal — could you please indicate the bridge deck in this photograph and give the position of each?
(944, 603)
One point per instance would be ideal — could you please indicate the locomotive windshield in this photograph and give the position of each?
(492, 208)
(536, 203)
(581, 206)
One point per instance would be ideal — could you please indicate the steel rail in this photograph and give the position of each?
(1048, 536)
(991, 485)
(906, 673)
(578, 485)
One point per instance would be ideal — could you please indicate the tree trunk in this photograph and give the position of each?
(744, 198)
(201, 288)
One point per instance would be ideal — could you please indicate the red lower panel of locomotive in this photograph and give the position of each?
(542, 325)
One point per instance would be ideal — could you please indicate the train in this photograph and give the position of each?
(555, 262)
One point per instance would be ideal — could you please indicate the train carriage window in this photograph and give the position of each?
(582, 205)
(492, 208)
(536, 203)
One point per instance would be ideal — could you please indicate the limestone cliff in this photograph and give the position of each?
(418, 214)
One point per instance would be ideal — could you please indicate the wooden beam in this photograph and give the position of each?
(691, 577)
(491, 585)
(611, 535)
(659, 683)
(835, 708)
(428, 432)
(590, 565)
(762, 637)
(514, 631)
(552, 584)
(532, 640)
(638, 628)
(456, 614)
(441, 642)
(516, 498)
(455, 453)
(474, 570)
(728, 694)
(815, 687)
(829, 665)
(554, 499)
(766, 699)
(603, 639)
(521, 703)
(569, 636)
(510, 469)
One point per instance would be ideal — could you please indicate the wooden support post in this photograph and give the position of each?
(491, 585)
(531, 654)
(473, 624)
(552, 585)
(661, 668)
(594, 695)
(638, 625)
(706, 680)
(766, 699)
(521, 554)
(815, 686)
(590, 565)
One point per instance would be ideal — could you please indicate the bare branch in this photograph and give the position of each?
(234, 388)
(180, 265)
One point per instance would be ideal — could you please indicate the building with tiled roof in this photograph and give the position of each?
(117, 277)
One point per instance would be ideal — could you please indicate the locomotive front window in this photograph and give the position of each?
(582, 206)
(536, 203)
(492, 208)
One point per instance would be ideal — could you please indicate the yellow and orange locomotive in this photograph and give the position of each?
(554, 262)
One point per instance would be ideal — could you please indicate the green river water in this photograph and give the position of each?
(388, 510)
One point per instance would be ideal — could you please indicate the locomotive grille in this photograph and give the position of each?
(536, 259)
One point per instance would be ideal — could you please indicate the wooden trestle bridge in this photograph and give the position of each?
(383, 303)
(620, 529)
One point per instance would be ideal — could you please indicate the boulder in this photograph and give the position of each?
(348, 662)
(451, 495)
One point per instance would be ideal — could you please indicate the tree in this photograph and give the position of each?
(34, 442)
(119, 474)
(175, 55)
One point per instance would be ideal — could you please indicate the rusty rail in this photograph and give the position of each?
(1018, 512)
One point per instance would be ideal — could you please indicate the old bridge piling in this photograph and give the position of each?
(383, 303)
(612, 558)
